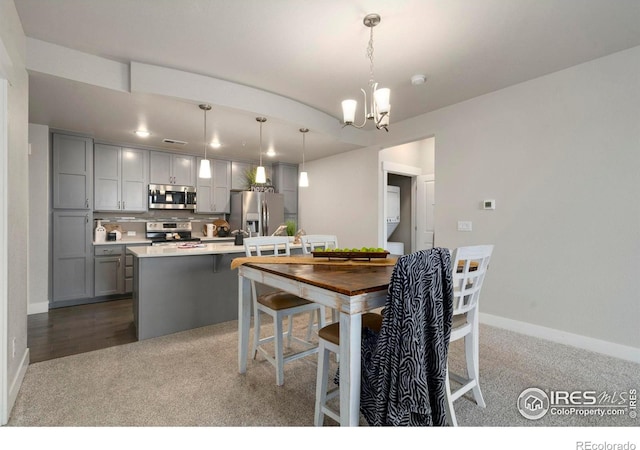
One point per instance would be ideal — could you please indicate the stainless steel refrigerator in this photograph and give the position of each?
(258, 212)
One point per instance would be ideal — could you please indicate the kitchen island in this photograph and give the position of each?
(176, 288)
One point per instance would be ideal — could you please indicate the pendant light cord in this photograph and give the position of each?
(204, 138)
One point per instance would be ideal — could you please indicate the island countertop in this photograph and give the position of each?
(220, 248)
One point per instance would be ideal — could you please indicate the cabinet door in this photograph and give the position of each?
(72, 168)
(72, 255)
(160, 168)
(221, 186)
(183, 170)
(135, 175)
(204, 199)
(286, 183)
(107, 164)
(109, 278)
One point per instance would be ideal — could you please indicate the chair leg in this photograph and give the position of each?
(472, 355)
(450, 412)
(256, 332)
(289, 329)
(279, 357)
(322, 378)
(310, 326)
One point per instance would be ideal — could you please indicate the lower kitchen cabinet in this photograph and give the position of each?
(108, 270)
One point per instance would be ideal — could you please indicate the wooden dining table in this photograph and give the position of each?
(351, 289)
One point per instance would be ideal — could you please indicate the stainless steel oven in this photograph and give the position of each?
(169, 196)
(169, 232)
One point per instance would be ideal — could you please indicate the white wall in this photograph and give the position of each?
(13, 40)
(560, 154)
(342, 198)
(38, 219)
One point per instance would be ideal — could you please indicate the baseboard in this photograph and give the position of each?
(37, 308)
(562, 337)
(16, 383)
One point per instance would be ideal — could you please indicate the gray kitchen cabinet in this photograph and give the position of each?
(72, 256)
(214, 193)
(128, 273)
(171, 168)
(72, 172)
(108, 270)
(239, 177)
(285, 180)
(121, 178)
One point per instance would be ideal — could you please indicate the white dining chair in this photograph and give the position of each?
(329, 341)
(469, 266)
(278, 305)
(312, 241)
(309, 243)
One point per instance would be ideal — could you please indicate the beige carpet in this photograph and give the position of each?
(191, 379)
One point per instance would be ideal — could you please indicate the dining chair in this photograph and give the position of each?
(469, 267)
(278, 305)
(403, 358)
(329, 341)
(309, 243)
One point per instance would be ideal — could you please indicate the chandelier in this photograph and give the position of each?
(378, 108)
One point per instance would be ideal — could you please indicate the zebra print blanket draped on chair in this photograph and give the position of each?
(404, 366)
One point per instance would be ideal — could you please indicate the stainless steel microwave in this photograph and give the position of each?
(170, 196)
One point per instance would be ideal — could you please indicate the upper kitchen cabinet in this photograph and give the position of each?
(239, 171)
(72, 168)
(214, 193)
(285, 180)
(171, 168)
(121, 178)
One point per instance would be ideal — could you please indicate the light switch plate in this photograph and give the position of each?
(464, 225)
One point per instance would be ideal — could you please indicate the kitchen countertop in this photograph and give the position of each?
(139, 240)
(219, 248)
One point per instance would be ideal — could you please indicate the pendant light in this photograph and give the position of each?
(261, 176)
(205, 166)
(304, 178)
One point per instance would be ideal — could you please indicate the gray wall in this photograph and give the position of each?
(39, 222)
(13, 39)
(560, 156)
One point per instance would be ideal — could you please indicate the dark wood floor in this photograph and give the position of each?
(79, 329)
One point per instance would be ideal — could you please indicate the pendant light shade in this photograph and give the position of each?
(304, 177)
(205, 166)
(261, 176)
(205, 169)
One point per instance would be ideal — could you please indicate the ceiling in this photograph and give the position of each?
(310, 52)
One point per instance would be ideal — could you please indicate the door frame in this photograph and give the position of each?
(397, 169)
(4, 311)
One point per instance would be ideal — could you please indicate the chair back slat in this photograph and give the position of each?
(312, 241)
(469, 265)
(279, 245)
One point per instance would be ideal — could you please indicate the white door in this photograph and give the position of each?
(425, 210)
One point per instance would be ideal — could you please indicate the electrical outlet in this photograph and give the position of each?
(464, 225)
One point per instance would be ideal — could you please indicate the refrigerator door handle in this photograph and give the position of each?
(265, 218)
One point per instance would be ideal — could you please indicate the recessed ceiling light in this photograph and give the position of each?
(271, 152)
(142, 133)
(215, 144)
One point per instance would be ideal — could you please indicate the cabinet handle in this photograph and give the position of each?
(118, 262)
(118, 204)
(122, 204)
(86, 218)
(86, 203)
